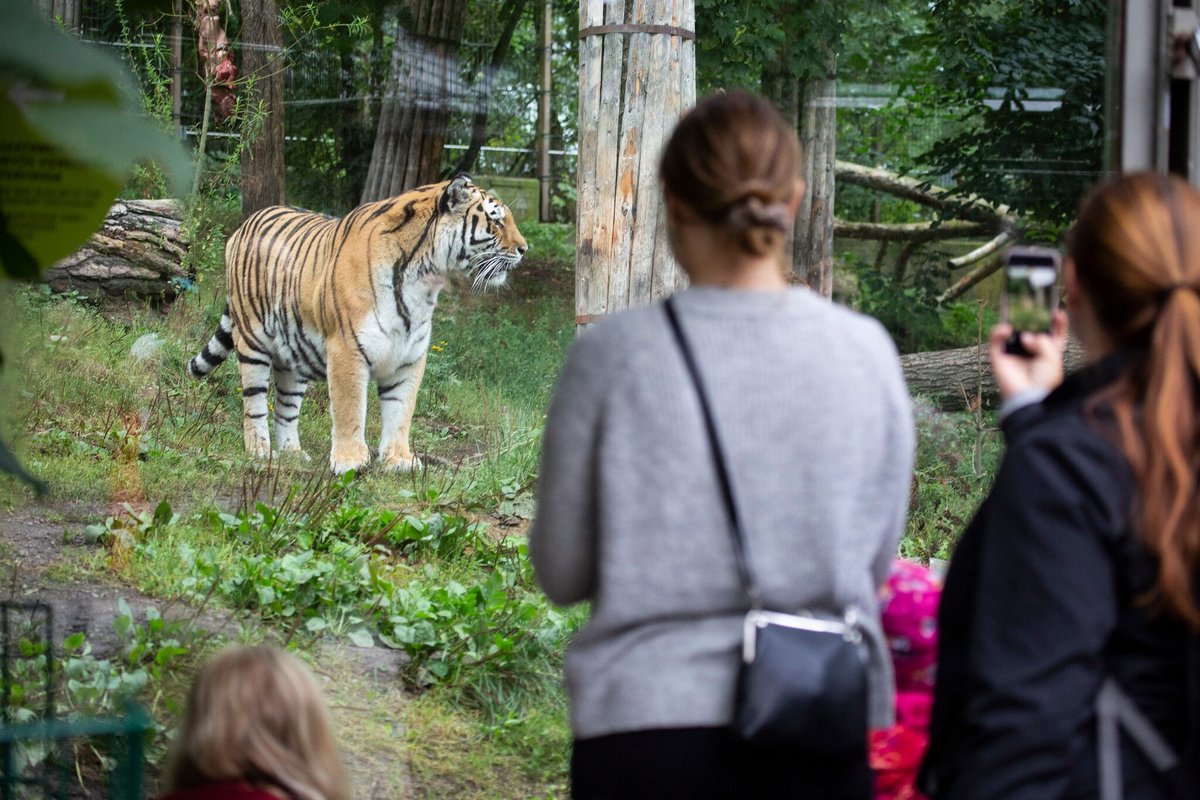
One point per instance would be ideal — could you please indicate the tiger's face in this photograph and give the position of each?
(490, 244)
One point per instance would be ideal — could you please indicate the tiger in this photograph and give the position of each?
(350, 300)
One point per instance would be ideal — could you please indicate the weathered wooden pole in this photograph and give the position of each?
(813, 244)
(637, 75)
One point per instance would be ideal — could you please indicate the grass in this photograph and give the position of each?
(419, 562)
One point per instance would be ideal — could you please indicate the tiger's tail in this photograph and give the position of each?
(217, 349)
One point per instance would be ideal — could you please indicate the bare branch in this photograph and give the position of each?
(988, 254)
(926, 194)
(904, 232)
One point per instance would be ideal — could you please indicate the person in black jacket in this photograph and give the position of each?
(1081, 564)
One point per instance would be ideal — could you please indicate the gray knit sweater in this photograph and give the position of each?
(816, 421)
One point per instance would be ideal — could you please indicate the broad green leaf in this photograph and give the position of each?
(71, 129)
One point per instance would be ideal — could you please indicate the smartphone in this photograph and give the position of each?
(1030, 294)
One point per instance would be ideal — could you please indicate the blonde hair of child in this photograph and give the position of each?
(256, 714)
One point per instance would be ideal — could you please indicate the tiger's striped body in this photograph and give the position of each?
(350, 300)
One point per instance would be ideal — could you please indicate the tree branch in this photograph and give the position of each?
(988, 254)
(904, 232)
(882, 180)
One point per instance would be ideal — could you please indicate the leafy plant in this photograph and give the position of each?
(948, 483)
(910, 312)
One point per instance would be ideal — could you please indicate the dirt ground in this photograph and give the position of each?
(42, 558)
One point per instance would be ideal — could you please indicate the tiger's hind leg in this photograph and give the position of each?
(289, 394)
(397, 401)
(254, 366)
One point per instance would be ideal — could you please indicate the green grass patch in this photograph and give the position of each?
(957, 457)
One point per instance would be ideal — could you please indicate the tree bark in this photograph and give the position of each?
(952, 380)
(907, 232)
(812, 249)
(416, 105)
(989, 253)
(926, 194)
(138, 252)
(262, 63)
(633, 86)
(64, 12)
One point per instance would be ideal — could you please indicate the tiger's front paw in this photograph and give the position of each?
(344, 460)
(409, 463)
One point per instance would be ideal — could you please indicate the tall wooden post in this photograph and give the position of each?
(813, 244)
(637, 75)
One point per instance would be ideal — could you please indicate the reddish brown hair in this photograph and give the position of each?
(732, 159)
(1136, 248)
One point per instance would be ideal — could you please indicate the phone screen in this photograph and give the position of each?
(1030, 294)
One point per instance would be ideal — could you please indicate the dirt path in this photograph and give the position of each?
(44, 558)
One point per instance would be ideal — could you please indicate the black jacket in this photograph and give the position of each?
(1040, 604)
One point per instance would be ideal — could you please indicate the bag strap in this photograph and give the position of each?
(718, 452)
(1116, 711)
(1191, 748)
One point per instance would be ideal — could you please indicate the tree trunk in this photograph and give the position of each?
(262, 63)
(511, 12)
(954, 380)
(637, 74)
(416, 105)
(63, 12)
(812, 249)
(138, 252)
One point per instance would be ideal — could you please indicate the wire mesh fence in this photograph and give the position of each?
(42, 755)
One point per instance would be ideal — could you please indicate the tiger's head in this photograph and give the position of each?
(487, 244)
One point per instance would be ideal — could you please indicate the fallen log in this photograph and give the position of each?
(137, 253)
(957, 380)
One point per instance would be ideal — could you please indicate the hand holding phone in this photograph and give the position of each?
(1030, 295)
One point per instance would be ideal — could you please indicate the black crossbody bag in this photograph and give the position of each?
(803, 680)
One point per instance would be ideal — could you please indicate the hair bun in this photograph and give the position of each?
(752, 212)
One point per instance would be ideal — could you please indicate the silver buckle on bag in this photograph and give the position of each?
(758, 618)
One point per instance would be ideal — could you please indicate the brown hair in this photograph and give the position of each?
(256, 714)
(733, 160)
(1136, 248)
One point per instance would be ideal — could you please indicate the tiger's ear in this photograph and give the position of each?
(457, 193)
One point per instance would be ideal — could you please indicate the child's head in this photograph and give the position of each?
(256, 714)
(908, 604)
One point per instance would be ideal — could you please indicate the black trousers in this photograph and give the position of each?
(707, 764)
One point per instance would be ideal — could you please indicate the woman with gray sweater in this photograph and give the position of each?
(817, 429)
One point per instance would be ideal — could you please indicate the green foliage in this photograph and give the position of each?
(738, 42)
(94, 88)
(151, 655)
(954, 469)
(128, 529)
(910, 312)
(551, 241)
(1001, 53)
(469, 614)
